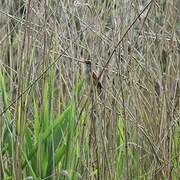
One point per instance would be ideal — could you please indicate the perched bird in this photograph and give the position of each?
(91, 75)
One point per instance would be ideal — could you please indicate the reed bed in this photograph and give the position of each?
(89, 89)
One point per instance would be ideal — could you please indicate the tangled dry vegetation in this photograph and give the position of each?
(55, 123)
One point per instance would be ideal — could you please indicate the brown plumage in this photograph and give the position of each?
(97, 83)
